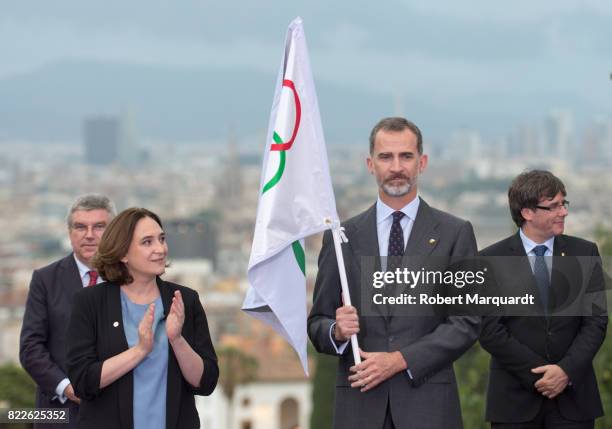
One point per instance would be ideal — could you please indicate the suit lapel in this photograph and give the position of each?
(363, 241)
(166, 293)
(118, 341)
(118, 344)
(424, 237)
(562, 274)
(559, 252)
(70, 276)
(173, 389)
(516, 248)
(364, 244)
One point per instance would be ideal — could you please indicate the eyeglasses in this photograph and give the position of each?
(81, 228)
(555, 207)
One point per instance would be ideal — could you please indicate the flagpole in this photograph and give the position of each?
(346, 296)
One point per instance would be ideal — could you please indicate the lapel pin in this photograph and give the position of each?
(115, 324)
(432, 241)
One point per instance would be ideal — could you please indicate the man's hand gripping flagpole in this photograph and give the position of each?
(339, 238)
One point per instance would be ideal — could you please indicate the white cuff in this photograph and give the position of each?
(59, 390)
(339, 350)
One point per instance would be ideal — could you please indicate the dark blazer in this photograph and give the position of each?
(93, 338)
(519, 343)
(429, 344)
(42, 346)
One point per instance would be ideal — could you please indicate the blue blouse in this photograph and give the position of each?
(151, 374)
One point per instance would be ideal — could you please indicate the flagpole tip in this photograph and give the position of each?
(296, 21)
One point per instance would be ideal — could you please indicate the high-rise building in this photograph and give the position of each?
(129, 153)
(111, 139)
(527, 142)
(464, 144)
(102, 138)
(595, 148)
(559, 135)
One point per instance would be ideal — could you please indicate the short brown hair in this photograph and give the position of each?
(396, 124)
(528, 188)
(115, 243)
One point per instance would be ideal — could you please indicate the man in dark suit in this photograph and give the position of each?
(406, 378)
(43, 333)
(541, 365)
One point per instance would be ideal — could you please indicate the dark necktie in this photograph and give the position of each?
(395, 251)
(540, 271)
(93, 278)
(396, 236)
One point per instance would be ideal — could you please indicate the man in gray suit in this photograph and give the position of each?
(406, 378)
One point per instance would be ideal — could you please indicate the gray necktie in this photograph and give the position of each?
(540, 271)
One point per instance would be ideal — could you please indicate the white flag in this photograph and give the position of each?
(296, 198)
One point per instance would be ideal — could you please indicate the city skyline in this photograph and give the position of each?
(165, 106)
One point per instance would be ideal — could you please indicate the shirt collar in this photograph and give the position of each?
(83, 269)
(383, 211)
(529, 244)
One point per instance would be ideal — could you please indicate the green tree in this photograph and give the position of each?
(603, 359)
(323, 390)
(17, 390)
(472, 371)
(603, 369)
(16, 387)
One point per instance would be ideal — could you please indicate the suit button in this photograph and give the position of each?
(391, 338)
(549, 333)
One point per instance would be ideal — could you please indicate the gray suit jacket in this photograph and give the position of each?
(429, 344)
(42, 346)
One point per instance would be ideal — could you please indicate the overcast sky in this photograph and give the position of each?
(447, 51)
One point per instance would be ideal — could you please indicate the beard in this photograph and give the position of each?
(396, 190)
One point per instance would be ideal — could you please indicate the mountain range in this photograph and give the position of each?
(201, 104)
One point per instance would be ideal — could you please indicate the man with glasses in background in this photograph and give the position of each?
(43, 333)
(541, 366)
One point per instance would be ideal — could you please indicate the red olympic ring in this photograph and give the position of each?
(298, 116)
